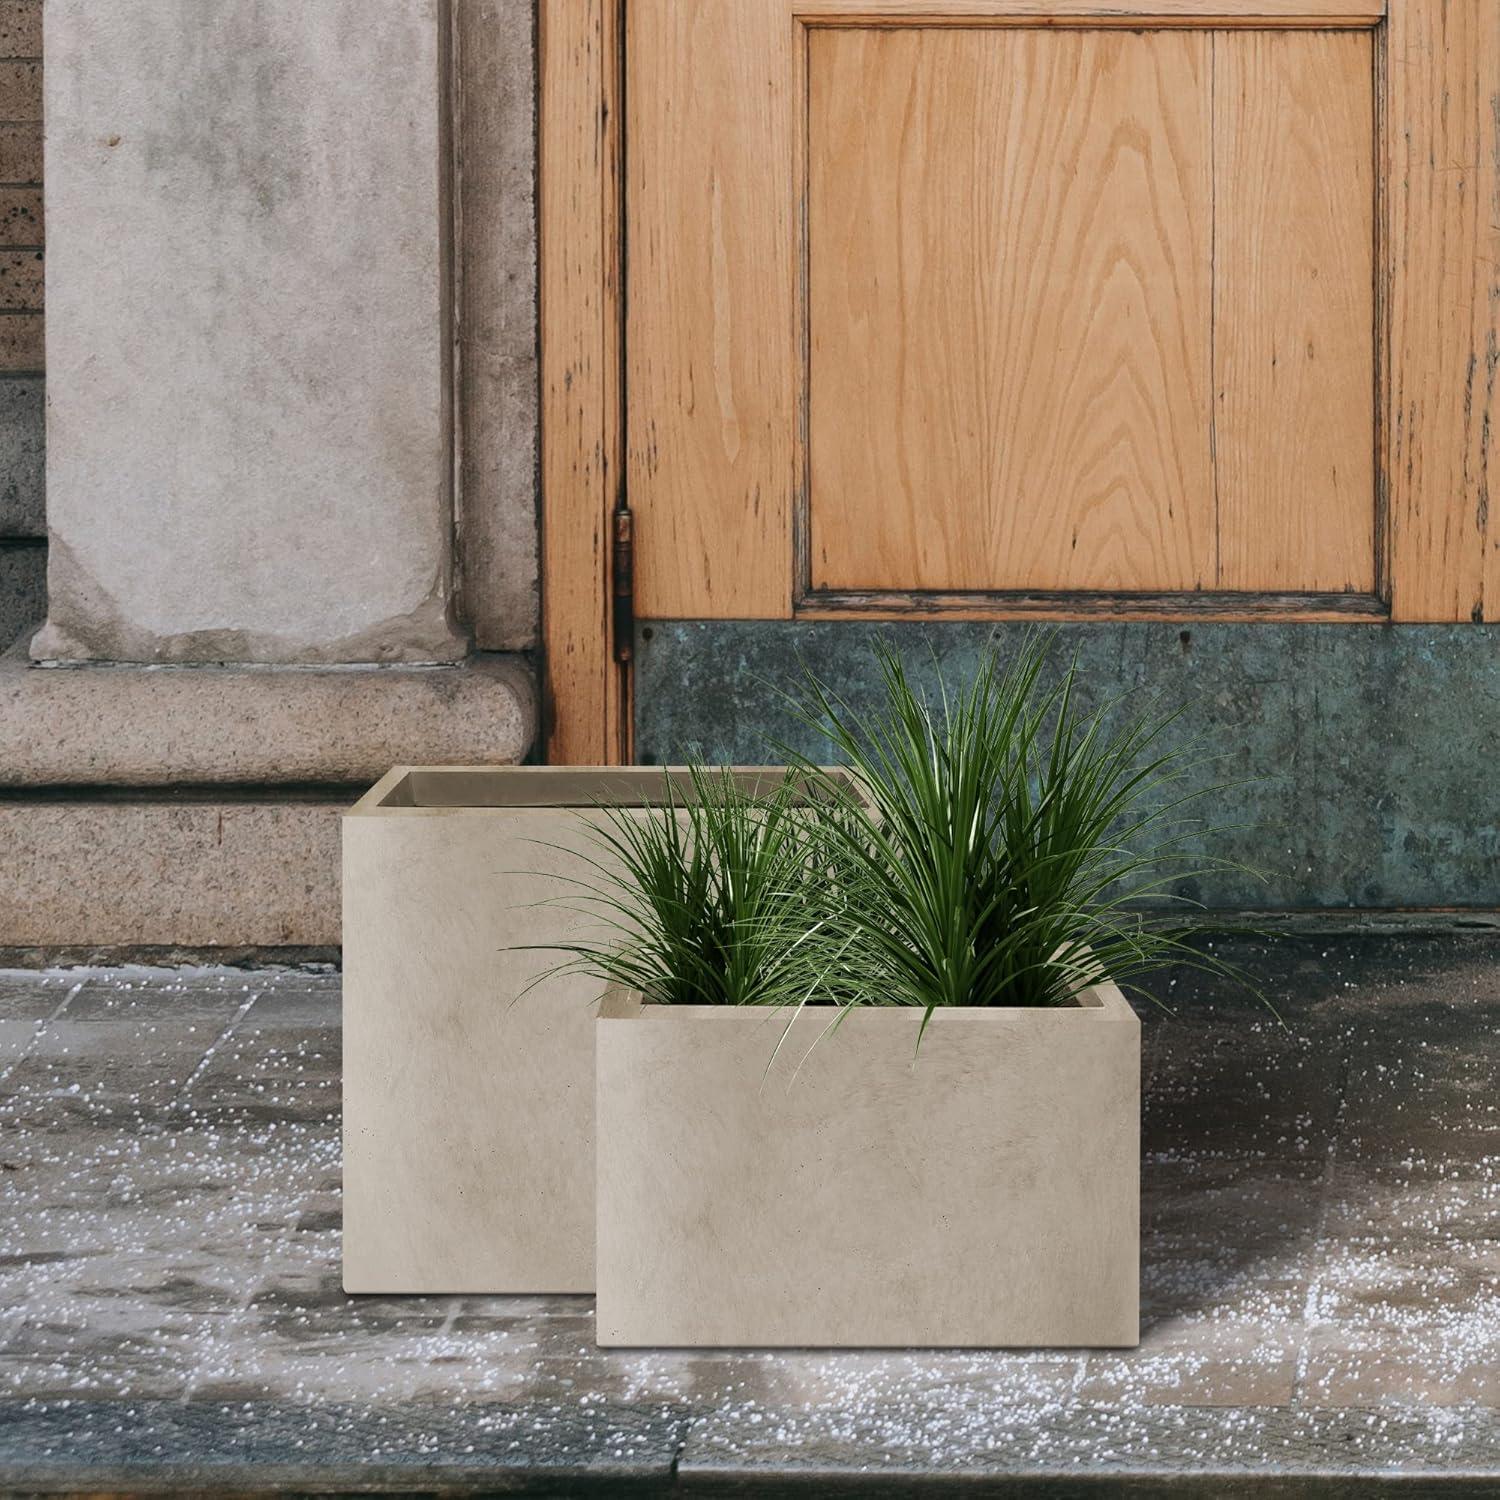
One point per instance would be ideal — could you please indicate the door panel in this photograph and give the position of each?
(1294, 310)
(1009, 257)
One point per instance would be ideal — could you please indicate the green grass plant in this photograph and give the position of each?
(710, 897)
(1013, 840)
(1003, 857)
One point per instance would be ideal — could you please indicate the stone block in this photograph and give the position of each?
(98, 872)
(21, 153)
(128, 726)
(21, 344)
(20, 28)
(21, 217)
(21, 280)
(248, 447)
(20, 91)
(23, 447)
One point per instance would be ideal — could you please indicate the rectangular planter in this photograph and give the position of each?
(983, 1191)
(468, 1087)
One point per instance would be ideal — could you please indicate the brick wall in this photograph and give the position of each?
(23, 548)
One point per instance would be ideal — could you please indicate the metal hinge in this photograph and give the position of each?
(623, 573)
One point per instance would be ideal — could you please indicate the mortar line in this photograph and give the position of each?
(38, 1030)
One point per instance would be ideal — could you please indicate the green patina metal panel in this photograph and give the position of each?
(1364, 757)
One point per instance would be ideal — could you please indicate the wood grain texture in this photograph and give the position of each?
(1010, 310)
(1444, 300)
(712, 328)
(1294, 310)
(579, 171)
(971, 12)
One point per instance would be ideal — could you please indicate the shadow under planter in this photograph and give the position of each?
(468, 1063)
(848, 1188)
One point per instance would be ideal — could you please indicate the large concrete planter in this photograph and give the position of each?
(468, 1086)
(982, 1191)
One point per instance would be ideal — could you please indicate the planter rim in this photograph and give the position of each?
(423, 791)
(1100, 1002)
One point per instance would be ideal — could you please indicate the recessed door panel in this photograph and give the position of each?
(1294, 310)
(1010, 285)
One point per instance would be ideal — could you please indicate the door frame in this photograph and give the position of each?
(1437, 300)
(586, 677)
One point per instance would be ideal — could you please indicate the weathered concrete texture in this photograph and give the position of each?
(1354, 761)
(128, 726)
(247, 453)
(174, 872)
(23, 456)
(1319, 1273)
(23, 590)
(497, 319)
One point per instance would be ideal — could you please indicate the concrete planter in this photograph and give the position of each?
(469, 1097)
(984, 1195)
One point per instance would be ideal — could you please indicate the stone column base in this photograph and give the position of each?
(153, 810)
(94, 875)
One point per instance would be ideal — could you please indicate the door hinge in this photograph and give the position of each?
(623, 588)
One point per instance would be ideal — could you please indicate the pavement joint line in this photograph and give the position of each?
(241, 1317)
(181, 1099)
(1319, 1255)
(38, 1030)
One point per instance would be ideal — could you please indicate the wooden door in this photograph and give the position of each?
(1067, 308)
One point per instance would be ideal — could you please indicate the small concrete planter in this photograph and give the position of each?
(469, 1087)
(982, 1191)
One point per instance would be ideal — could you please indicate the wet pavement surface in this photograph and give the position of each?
(1320, 1274)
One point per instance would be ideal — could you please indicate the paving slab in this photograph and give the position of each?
(1320, 1274)
(1066, 1449)
(221, 1447)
